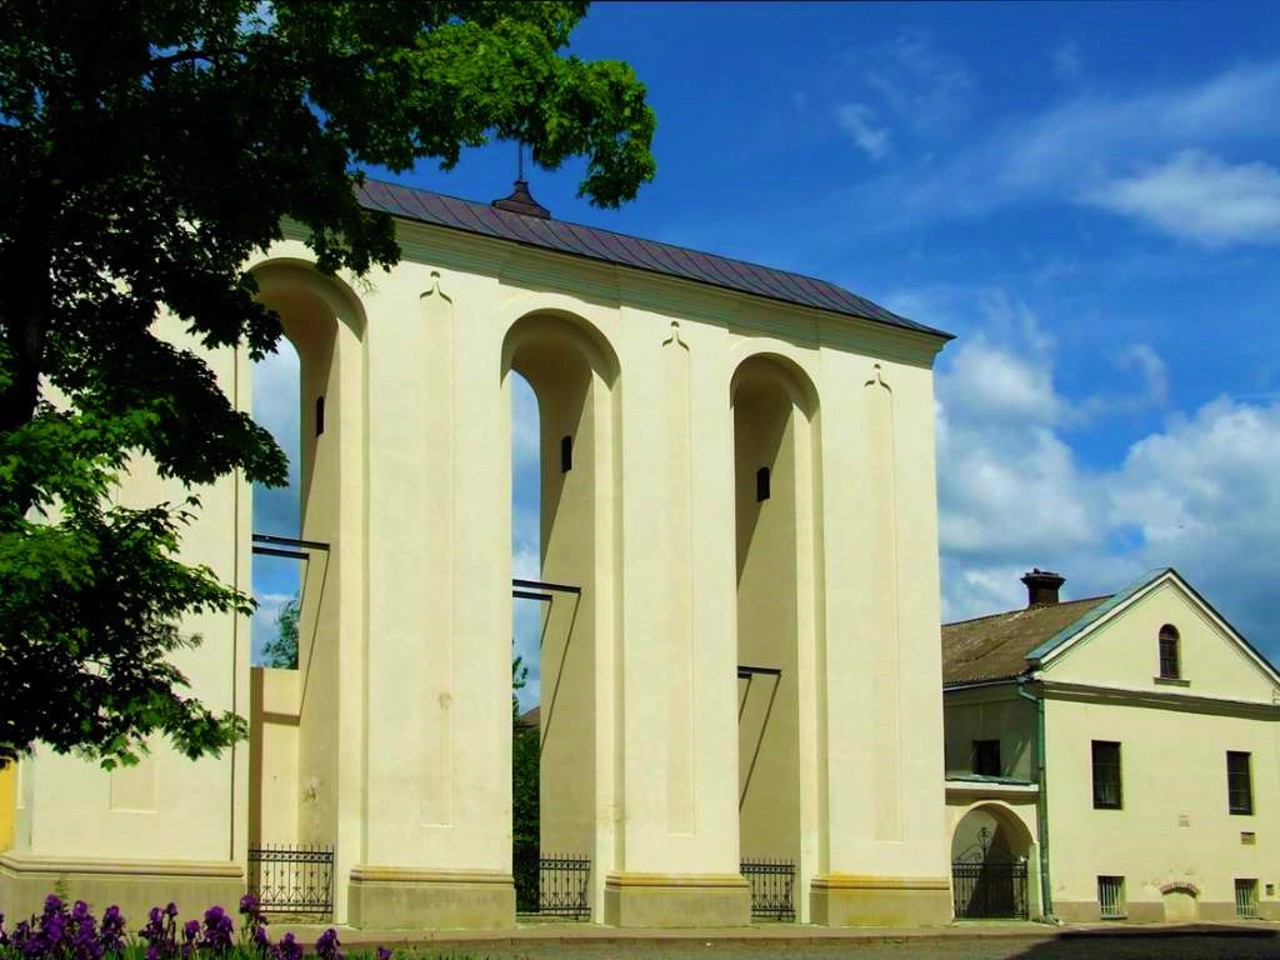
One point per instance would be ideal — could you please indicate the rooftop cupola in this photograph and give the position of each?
(521, 201)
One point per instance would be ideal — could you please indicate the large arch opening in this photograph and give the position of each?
(312, 529)
(991, 856)
(773, 410)
(572, 375)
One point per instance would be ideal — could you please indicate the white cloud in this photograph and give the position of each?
(525, 442)
(924, 87)
(858, 120)
(1000, 385)
(276, 406)
(1151, 389)
(264, 626)
(1200, 493)
(1198, 197)
(1071, 149)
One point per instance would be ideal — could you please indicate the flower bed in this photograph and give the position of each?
(62, 933)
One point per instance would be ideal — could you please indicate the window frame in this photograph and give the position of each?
(1119, 902)
(1104, 765)
(1246, 895)
(1240, 784)
(1170, 652)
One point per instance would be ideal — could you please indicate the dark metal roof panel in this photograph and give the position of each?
(649, 255)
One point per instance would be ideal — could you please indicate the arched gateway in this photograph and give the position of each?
(741, 706)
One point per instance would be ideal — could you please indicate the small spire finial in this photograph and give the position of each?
(521, 200)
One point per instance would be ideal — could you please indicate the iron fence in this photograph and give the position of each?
(1246, 899)
(293, 880)
(989, 891)
(772, 889)
(551, 886)
(988, 883)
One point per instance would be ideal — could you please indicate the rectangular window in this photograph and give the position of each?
(986, 758)
(1111, 897)
(1239, 783)
(1247, 899)
(1106, 775)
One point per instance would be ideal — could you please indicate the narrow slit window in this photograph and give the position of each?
(1170, 661)
(762, 484)
(319, 415)
(566, 454)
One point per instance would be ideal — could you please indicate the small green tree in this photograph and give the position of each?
(281, 650)
(147, 150)
(525, 748)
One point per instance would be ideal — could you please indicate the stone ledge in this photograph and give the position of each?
(410, 898)
(675, 900)
(846, 900)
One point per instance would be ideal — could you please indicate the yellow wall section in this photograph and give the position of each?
(1174, 825)
(8, 803)
(1123, 650)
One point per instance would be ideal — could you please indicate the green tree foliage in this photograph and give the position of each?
(147, 149)
(281, 651)
(526, 746)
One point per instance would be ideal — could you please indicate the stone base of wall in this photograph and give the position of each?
(397, 898)
(1141, 911)
(676, 900)
(844, 900)
(135, 886)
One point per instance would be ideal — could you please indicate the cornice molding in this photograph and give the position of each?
(619, 285)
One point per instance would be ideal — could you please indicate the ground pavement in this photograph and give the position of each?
(968, 940)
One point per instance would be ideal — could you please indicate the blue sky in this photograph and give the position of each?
(1088, 195)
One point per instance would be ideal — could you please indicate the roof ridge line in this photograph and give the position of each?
(596, 243)
(1005, 613)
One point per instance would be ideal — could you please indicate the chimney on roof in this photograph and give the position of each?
(1042, 587)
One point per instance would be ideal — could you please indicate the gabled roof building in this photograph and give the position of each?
(1111, 757)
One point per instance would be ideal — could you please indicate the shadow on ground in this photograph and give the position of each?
(1183, 943)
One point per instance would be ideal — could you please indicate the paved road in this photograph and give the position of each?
(1263, 945)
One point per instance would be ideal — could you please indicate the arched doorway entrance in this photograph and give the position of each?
(990, 854)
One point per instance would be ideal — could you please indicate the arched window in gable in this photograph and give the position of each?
(1170, 655)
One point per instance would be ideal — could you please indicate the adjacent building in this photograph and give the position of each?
(1116, 756)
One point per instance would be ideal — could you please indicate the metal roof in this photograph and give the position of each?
(648, 255)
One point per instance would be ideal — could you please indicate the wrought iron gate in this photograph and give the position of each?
(293, 880)
(772, 889)
(988, 886)
(551, 886)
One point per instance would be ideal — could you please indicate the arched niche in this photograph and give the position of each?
(990, 831)
(994, 874)
(774, 408)
(325, 322)
(574, 375)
